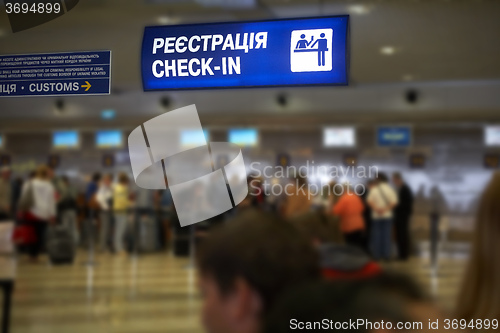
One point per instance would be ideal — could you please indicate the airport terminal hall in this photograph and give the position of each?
(249, 166)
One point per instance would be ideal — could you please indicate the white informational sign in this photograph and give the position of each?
(339, 137)
(311, 50)
(492, 136)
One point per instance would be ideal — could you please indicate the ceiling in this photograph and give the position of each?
(432, 41)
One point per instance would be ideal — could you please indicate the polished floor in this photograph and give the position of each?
(154, 293)
(149, 293)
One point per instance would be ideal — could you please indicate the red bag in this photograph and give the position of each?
(371, 269)
(24, 235)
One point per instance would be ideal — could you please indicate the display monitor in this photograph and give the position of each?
(65, 140)
(492, 135)
(394, 136)
(108, 114)
(339, 137)
(194, 138)
(1, 141)
(109, 139)
(245, 137)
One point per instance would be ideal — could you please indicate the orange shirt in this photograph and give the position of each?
(350, 210)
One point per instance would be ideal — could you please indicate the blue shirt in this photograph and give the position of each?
(91, 190)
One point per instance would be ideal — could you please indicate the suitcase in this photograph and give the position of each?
(148, 234)
(60, 245)
(181, 246)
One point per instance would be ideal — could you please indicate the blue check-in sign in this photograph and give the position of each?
(394, 136)
(290, 52)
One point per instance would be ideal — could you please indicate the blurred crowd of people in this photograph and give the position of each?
(104, 211)
(270, 261)
(103, 214)
(373, 219)
(266, 273)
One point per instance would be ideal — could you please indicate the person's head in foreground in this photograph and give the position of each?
(245, 265)
(387, 303)
(480, 294)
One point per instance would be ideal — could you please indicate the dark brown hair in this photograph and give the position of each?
(262, 249)
(397, 175)
(123, 178)
(382, 177)
(480, 293)
(344, 300)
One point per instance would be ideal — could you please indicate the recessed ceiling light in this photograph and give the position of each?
(408, 77)
(164, 19)
(167, 19)
(358, 9)
(387, 50)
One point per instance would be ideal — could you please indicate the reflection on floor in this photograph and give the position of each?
(442, 283)
(153, 293)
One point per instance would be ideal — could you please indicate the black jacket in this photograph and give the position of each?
(405, 205)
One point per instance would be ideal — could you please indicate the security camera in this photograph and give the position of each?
(59, 104)
(165, 102)
(412, 96)
(282, 100)
(59, 107)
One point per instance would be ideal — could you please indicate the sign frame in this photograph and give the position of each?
(350, 157)
(283, 160)
(413, 157)
(108, 157)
